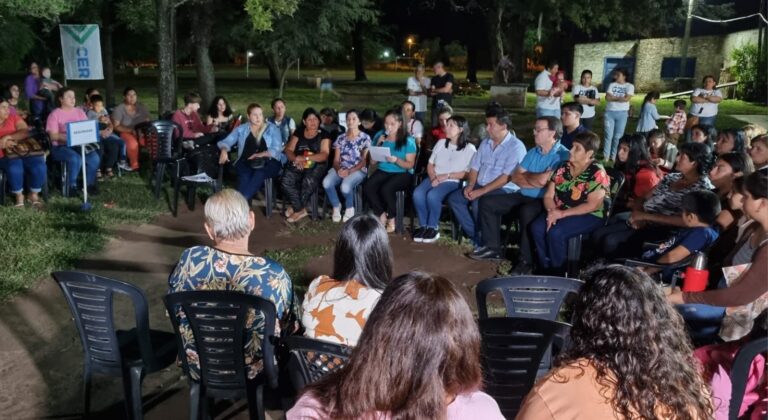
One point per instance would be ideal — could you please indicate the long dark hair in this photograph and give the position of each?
(463, 139)
(363, 253)
(739, 138)
(213, 110)
(709, 131)
(307, 113)
(650, 96)
(401, 135)
(419, 344)
(638, 156)
(700, 154)
(637, 343)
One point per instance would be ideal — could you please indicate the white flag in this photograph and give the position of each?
(81, 51)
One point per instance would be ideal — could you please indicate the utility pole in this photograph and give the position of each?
(686, 37)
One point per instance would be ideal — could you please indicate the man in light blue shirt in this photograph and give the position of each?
(532, 176)
(495, 160)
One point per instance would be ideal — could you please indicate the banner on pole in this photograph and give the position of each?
(81, 52)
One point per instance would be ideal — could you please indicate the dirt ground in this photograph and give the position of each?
(40, 352)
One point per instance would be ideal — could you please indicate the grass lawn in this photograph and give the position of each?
(33, 243)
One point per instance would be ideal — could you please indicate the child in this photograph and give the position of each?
(559, 85)
(649, 114)
(700, 210)
(676, 124)
(113, 146)
(48, 87)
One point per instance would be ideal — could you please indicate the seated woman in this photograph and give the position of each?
(611, 370)
(658, 212)
(259, 151)
(307, 152)
(395, 174)
(219, 114)
(758, 151)
(13, 129)
(728, 167)
(663, 152)
(418, 358)
(574, 203)
(125, 118)
(706, 134)
(747, 292)
(56, 126)
(230, 265)
(349, 167)
(640, 174)
(448, 164)
(730, 140)
(336, 308)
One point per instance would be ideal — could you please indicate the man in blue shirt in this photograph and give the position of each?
(531, 176)
(571, 116)
(496, 158)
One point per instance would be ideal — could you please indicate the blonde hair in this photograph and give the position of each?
(227, 214)
(753, 130)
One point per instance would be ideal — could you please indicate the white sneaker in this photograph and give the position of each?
(336, 217)
(348, 214)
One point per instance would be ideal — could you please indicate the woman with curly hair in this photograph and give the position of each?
(629, 358)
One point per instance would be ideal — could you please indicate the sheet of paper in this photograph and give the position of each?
(379, 154)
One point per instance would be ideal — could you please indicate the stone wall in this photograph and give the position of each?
(712, 53)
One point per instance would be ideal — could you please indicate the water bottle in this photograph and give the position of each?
(696, 275)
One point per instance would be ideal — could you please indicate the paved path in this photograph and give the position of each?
(761, 120)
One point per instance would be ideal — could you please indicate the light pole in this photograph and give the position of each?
(248, 55)
(410, 44)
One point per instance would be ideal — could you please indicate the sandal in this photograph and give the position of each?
(110, 174)
(19, 201)
(99, 176)
(288, 212)
(295, 217)
(391, 226)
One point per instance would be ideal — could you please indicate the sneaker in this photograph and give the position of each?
(99, 175)
(336, 217)
(123, 166)
(418, 234)
(430, 235)
(348, 214)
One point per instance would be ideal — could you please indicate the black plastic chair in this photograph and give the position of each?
(217, 318)
(163, 139)
(512, 351)
(575, 243)
(3, 187)
(309, 360)
(740, 370)
(528, 296)
(129, 354)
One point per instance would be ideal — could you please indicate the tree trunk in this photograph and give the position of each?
(273, 65)
(517, 48)
(495, 23)
(166, 69)
(283, 76)
(472, 60)
(357, 53)
(108, 52)
(202, 26)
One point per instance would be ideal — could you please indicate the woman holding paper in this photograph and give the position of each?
(394, 170)
(56, 126)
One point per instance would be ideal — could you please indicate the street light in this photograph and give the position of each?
(410, 44)
(248, 55)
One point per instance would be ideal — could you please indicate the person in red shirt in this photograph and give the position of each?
(13, 129)
(198, 137)
(640, 174)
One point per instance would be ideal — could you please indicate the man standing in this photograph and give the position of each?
(441, 90)
(547, 103)
(495, 160)
(531, 176)
(571, 117)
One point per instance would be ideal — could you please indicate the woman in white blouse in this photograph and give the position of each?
(417, 86)
(448, 164)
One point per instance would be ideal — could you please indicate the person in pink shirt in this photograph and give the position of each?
(417, 357)
(56, 126)
(198, 137)
(189, 120)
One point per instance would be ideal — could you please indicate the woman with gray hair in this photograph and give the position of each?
(229, 265)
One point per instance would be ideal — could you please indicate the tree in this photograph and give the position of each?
(202, 25)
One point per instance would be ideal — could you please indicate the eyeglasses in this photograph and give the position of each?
(537, 130)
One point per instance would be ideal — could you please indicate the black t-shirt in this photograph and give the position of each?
(440, 82)
(252, 146)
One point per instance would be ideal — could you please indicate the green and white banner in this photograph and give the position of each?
(81, 52)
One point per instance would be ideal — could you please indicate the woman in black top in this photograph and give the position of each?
(307, 152)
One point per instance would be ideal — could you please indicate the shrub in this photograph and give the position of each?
(745, 69)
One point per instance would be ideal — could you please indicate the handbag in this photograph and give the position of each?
(259, 162)
(28, 147)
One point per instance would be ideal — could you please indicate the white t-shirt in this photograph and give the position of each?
(420, 100)
(544, 83)
(619, 90)
(705, 109)
(448, 160)
(416, 128)
(589, 110)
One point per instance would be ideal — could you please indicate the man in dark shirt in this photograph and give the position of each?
(441, 90)
(571, 117)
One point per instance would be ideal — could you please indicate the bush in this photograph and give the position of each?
(746, 70)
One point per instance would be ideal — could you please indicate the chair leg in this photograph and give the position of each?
(195, 401)
(400, 212)
(255, 396)
(313, 200)
(191, 191)
(268, 197)
(87, 377)
(574, 255)
(136, 377)
(159, 175)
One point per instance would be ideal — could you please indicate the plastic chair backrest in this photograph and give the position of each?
(218, 318)
(311, 359)
(527, 296)
(162, 139)
(90, 299)
(512, 349)
(740, 371)
(617, 183)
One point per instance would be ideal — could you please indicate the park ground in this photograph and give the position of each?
(131, 236)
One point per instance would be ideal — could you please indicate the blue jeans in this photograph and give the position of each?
(552, 245)
(461, 210)
(710, 121)
(428, 201)
(250, 181)
(72, 158)
(543, 112)
(614, 123)
(348, 186)
(33, 166)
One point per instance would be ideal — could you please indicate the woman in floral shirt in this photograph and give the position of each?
(574, 203)
(349, 168)
(229, 265)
